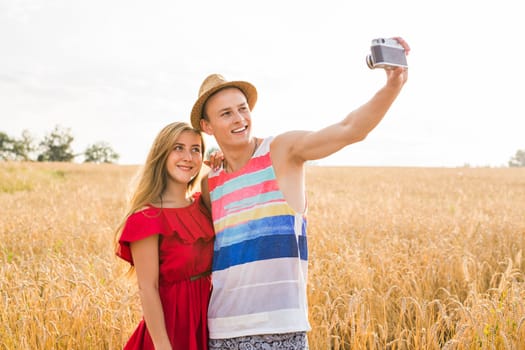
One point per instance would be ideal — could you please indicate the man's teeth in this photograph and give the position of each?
(239, 130)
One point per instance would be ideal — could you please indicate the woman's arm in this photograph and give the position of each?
(146, 260)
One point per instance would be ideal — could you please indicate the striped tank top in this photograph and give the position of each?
(260, 261)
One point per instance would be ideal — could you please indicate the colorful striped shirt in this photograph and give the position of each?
(260, 261)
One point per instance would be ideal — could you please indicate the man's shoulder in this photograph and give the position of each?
(282, 144)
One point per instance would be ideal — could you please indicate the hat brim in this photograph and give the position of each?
(247, 89)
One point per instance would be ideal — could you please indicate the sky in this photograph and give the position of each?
(119, 70)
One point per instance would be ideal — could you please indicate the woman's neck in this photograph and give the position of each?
(174, 196)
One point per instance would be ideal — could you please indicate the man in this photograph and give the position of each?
(258, 207)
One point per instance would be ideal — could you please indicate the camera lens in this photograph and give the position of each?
(369, 61)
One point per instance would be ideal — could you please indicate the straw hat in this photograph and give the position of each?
(211, 85)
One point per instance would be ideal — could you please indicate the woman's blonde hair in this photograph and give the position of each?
(152, 178)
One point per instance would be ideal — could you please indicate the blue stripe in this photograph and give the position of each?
(303, 247)
(262, 248)
(251, 201)
(303, 227)
(241, 182)
(252, 229)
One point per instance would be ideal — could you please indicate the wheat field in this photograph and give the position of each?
(400, 258)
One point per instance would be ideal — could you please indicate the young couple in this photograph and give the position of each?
(244, 233)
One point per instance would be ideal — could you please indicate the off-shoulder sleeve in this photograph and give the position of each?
(138, 226)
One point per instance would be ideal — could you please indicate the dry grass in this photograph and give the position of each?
(400, 258)
(417, 258)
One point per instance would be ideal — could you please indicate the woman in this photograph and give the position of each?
(167, 236)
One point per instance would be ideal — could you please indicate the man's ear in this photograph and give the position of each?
(205, 126)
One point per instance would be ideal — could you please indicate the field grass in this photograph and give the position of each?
(400, 258)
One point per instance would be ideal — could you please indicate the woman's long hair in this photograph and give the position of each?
(153, 177)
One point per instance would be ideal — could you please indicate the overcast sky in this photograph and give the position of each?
(119, 70)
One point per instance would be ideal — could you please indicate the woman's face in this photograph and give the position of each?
(185, 159)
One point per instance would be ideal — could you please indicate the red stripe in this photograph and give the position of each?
(241, 193)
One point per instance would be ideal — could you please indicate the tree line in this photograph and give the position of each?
(56, 146)
(518, 160)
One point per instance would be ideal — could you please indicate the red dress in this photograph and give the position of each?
(185, 252)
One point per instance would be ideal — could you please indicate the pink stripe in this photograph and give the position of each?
(242, 193)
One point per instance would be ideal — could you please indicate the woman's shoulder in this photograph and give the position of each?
(144, 221)
(147, 211)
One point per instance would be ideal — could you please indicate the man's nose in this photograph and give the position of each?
(238, 116)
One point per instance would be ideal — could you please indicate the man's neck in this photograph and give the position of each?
(236, 158)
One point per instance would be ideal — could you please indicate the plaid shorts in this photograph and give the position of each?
(285, 341)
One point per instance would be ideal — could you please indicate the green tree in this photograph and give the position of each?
(6, 146)
(518, 160)
(56, 146)
(16, 149)
(24, 146)
(100, 152)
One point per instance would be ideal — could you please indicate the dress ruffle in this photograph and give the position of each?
(186, 223)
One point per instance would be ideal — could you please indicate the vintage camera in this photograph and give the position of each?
(386, 53)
